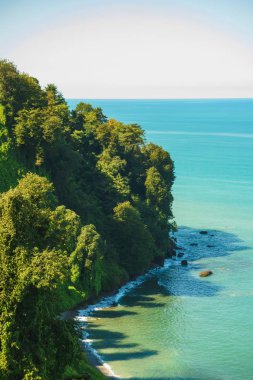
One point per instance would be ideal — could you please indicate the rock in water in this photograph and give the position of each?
(205, 273)
(184, 262)
(180, 254)
(203, 232)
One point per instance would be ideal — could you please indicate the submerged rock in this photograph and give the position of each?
(205, 273)
(194, 244)
(184, 262)
(210, 246)
(180, 254)
(203, 232)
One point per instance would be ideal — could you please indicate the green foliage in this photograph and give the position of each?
(54, 97)
(2, 117)
(114, 167)
(133, 239)
(157, 193)
(85, 205)
(38, 130)
(18, 91)
(86, 260)
(34, 261)
(160, 159)
(10, 167)
(85, 369)
(113, 275)
(69, 296)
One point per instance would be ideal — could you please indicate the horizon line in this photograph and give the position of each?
(231, 98)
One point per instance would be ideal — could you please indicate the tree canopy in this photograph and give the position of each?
(85, 205)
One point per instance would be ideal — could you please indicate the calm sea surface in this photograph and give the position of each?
(177, 325)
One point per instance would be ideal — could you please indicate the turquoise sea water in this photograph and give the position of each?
(176, 325)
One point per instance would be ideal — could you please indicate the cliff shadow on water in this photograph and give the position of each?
(206, 249)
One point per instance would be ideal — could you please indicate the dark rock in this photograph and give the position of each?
(194, 244)
(170, 253)
(180, 254)
(159, 260)
(203, 232)
(184, 262)
(172, 246)
(210, 246)
(205, 273)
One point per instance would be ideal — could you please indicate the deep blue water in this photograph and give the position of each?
(176, 325)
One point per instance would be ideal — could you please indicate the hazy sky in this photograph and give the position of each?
(133, 48)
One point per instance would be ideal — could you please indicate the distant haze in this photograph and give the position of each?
(133, 49)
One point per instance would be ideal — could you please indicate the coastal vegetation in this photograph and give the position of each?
(85, 205)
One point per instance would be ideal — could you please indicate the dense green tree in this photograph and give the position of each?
(133, 239)
(10, 167)
(87, 260)
(18, 91)
(92, 209)
(36, 241)
(54, 97)
(157, 193)
(157, 157)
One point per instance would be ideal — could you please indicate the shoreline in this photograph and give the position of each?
(81, 315)
(96, 362)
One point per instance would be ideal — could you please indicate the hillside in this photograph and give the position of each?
(85, 205)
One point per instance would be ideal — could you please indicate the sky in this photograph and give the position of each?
(133, 48)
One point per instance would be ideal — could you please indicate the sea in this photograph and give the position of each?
(172, 324)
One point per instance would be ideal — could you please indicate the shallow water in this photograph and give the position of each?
(176, 325)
